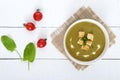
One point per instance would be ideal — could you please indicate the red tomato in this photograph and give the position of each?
(30, 26)
(37, 15)
(41, 43)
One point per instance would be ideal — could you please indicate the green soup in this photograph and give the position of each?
(95, 49)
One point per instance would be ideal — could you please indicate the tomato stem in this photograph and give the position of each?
(45, 39)
(38, 10)
(24, 24)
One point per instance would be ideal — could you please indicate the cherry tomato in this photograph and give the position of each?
(41, 43)
(30, 26)
(37, 15)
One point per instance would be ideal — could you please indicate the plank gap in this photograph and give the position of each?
(45, 27)
(116, 59)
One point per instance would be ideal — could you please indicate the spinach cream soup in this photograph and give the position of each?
(85, 41)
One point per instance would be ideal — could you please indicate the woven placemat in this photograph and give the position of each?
(83, 13)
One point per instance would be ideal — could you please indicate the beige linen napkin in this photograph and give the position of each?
(83, 13)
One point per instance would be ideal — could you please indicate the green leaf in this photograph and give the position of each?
(8, 43)
(29, 52)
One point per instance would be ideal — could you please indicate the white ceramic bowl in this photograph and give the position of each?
(106, 45)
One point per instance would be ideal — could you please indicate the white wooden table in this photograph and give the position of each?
(50, 64)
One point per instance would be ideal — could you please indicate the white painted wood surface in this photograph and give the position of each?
(50, 63)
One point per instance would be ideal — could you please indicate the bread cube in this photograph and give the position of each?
(90, 36)
(80, 42)
(89, 42)
(85, 47)
(81, 34)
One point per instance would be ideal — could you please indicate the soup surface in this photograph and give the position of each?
(85, 41)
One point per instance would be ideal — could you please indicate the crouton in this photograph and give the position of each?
(81, 34)
(89, 42)
(90, 36)
(85, 47)
(80, 42)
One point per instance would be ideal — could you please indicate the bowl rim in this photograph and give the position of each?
(106, 44)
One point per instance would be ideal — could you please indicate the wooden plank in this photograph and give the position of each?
(16, 12)
(23, 37)
(58, 70)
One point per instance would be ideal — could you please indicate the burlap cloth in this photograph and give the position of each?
(83, 13)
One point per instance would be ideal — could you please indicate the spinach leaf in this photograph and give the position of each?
(8, 43)
(29, 52)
